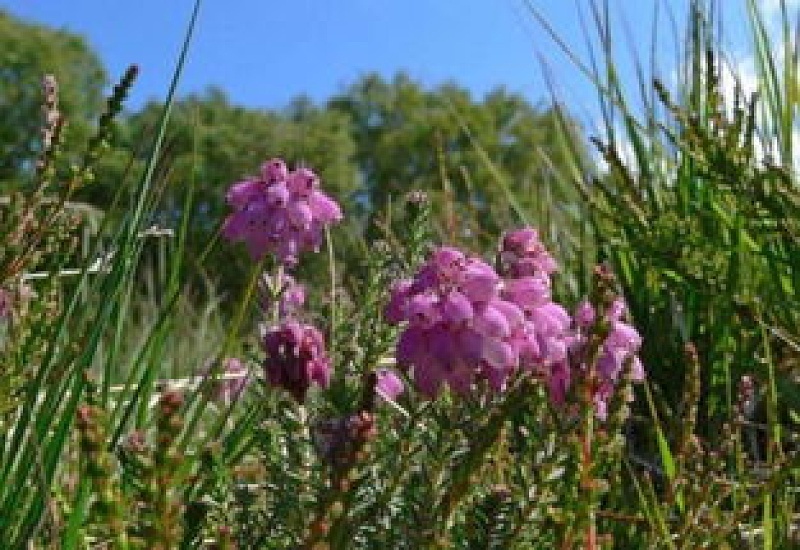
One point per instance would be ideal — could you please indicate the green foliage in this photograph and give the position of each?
(697, 223)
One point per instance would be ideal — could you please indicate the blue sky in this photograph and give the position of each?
(263, 53)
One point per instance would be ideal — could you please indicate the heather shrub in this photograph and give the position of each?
(413, 392)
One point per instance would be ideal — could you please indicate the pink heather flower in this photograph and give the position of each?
(548, 323)
(528, 292)
(618, 310)
(522, 254)
(274, 170)
(621, 344)
(459, 327)
(528, 286)
(279, 212)
(556, 346)
(293, 296)
(584, 315)
(388, 384)
(296, 358)
(394, 312)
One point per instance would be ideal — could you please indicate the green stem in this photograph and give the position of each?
(332, 281)
(276, 292)
(587, 482)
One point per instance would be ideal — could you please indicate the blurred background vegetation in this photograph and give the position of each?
(372, 143)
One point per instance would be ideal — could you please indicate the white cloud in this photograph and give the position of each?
(772, 8)
(739, 72)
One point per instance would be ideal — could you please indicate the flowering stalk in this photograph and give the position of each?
(692, 394)
(585, 441)
(602, 299)
(692, 398)
(51, 138)
(281, 296)
(162, 514)
(98, 466)
(99, 142)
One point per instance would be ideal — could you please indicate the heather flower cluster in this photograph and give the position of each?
(296, 358)
(280, 212)
(527, 267)
(465, 322)
(620, 346)
(284, 213)
(295, 352)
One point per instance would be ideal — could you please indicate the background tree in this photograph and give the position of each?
(27, 53)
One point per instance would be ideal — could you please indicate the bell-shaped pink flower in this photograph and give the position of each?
(291, 295)
(274, 170)
(523, 254)
(388, 384)
(456, 308)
